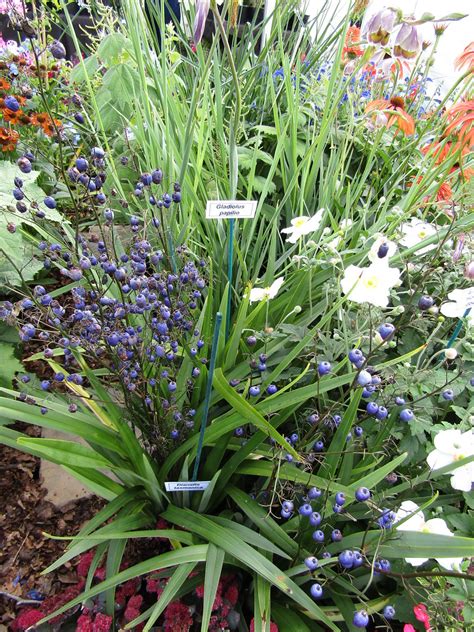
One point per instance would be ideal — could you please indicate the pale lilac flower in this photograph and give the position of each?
(202, 11)
(266, 293)
(408, 42)
(379, 26)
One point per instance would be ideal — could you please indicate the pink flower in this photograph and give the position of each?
(421, 613)
(26, 619)
(408, 628)
(84, 623)
(102, 623)
(132, 611)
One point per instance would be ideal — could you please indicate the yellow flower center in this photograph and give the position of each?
(371, 282)
(422, 234)
(459, 456)
(299, 222)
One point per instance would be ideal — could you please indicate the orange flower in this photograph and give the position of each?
(466, 58)
(352, 48)
(398, 116)
(461, 122)
(4, 85)
(445, 193)
(13, 117)
(8, 139)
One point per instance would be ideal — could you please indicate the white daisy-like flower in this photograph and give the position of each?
(304, 225)
(460, 302)
(416, 231)
(382, 246)
(370, 285)
(451, 446)
(416, 522)
(266, 293)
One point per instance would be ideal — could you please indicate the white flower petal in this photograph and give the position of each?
(463, 477)
(437, 526)
(416, 561)
(449, 563)
(437, 459)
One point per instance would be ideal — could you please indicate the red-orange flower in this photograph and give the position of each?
(395, 107)
(13, 117)
(461, 122)
(466, 58)
(8, 139)
(352, 48)
(4, 85)
(445, 193)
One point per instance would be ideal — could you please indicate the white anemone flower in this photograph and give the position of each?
(303, 225)
(266, 293)
(416, 522)
(451, 446)
(381, 240)
(415, 231)
(461, 301)
(370, 285)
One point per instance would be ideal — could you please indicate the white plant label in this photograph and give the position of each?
(231, 209)
(186, 486)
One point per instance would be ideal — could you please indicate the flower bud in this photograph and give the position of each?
(200, 21)
(469, 270)
(450, 354)
(408, 42)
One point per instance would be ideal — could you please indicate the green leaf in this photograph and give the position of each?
(249, 556)
(10, 364)
(66, 452)
(122, 82)
(287, 619)
(112, 47)
(249, 413)
(86, 68)
(214, 564)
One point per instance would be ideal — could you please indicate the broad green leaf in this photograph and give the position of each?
(212, 575)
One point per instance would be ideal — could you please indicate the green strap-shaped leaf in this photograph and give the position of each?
(250, 557)
(214, 564)
(250, 414)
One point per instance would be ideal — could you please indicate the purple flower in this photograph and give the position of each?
(202, 11)
(408, 42)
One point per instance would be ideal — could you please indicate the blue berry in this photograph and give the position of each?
(356, 355)
(172, 387)
(425, 302)
(315, 519)
(407, 414)
(24, 165)
(251, 341)
(239, 432)
(45, 384)
(49, 202)
(305, 510)
(324, 368)
(358, 559)
(43, 410)
(271, 389)
(360, 619)
(358, 431)
(346, 559)
(318, 446)
(314, 493)
(287, 505)
(174, 434)
(399, 401)
(286, 514)
(382, 413)
(386, 330)
(314, 418)
(97, 152)
(383, 250)
(362, 494)
(18, 194)
(340, 498)
(448, 395)
(364, 378)
(254, 391)
(336, 535)
(372, 408)
(318, 535)
(316, 591)
(368, 391)
(311, 563)
(389, 612)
